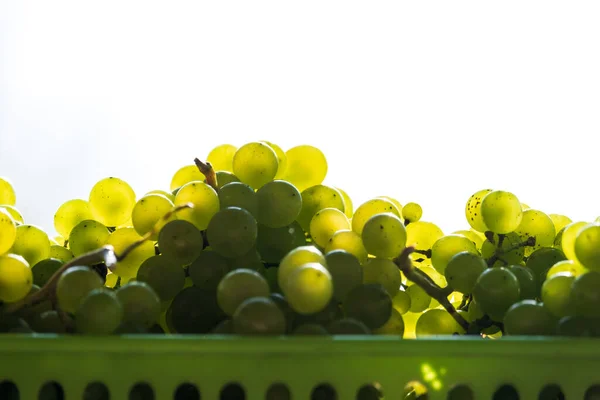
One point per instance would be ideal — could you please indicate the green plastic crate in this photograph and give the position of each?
(210, 364)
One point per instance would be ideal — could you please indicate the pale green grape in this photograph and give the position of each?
(576, 326)
(527, 282)
(279, 203)
(74, 285)
(346, 272)
(205, 201)
(495, 291)
(86, 236)
(308, 288)
(232, 232)
(315, 199)
(437, 322)
(401, 302)
(258, 316)
(111, 280)
(473, 236)
(348, 206)
(419, 299)
(281, 159)
(181, 241)
(370, 208)
(585, 296)
(148, 211)
(370, 304)
(568, 238)
(255, 164)
(501, 211)
(412, 212)
(48, 322)
(31, 243)
(221, 157)
(463, 269)
(100, 313)
(473, 210)
(556, 294)
(349, 241)
(208, 269)
(111, 201)
(395, 202)
(505, 249)
(393, 326)
(384, 235)
(43, 270)
(8, 231)
(7, 193)
(540, 261)
(529, 318)
(347, 326)
(69, 214)
(325, 223)
(559, 221)
(446, 247)
(60, 253)
(141, 304)
(185, 175)
(223, 178)
(384, 272)
(274, 243)
(569, 266)
(538, 225)
(15, 278)
(14, 213)
(163, 274)
(410, 326)
(120, 240)
(422, 235)
(587, 246)
(306, 167)
(168, 195)
(238, 194)
(239, 285)
(249, 260)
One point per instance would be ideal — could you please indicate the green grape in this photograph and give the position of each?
(259, 316)
(185, 175)
(221, 157)
(463, 269)
(505, 249)
(348, 326)
(559, 221)
(111, 280)
(239, 285)
(473, 236)
(437, 322)
(295, 259)
(349, 241)
(309, 330)
(568, 239)
(238, 194)
(148, 211)
(74, 285)
(224, 327)
(569, 266)
(412, 212)
(436, 277)
(8, 231)
(181, 241)
(393, 326)
(274, 243)
(556, 294)
(288, 313)
(410, 324)
(540, 261)
(308, 288)
(141, 304)
(111, 201)
(473, 210)
(370, 304)
(168, 195)
(281, 159)
(585, 296)
(120, 240)
(501, 211)
(422, 235)
(13, 212)
(348, 206)
(223, 178)
(401, 302)
(88, 235)
(205, 201)
(194, 311)
(306, 167)
(48, 322)
(395, 202)
(208, 269)
(69, 214)
(232, 232)
(15, 278)
(384, 272)
(163, 274)
(43, 270)
(370, 208)
(7, 193)
(446, 247)
(527, 282)
(279, 203)
(100, 313)
(587, 246)
(495, 291)
(527, 317)
(61, 253)
(328, 314)
(575, 326)
(346, 272)
(255, 164)
(250, 260)
(558, 239)
(315, 199)
(419, 299)
(538, 225)
(384, 235)
(31, 243)
(325, 223)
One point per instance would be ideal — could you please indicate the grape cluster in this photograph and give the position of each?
(258, 245)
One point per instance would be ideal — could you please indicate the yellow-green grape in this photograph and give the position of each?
(369, 209)
(525, 206)
(393, 326)
(384, 235)
(510, 252)
(15, 278)
(401, 302)
(309, 288)
(473, 236)
(60, 253)
(221, 157)
(306, 166)
(437, 322)
(111, 201)
(569, 266)
(205, 201)
(14, 213)
(31, 243)
(69, 214)
(100, 313)
(473, 210)
(88, 235)
(141, 304)
(501, 211)
(527, 317)
(74, 285)
(8, 231)
(186, 174)
(495, 291)
(111, 280)
(168, 195)
(559, 221)
(527, 282)
(463, 269)
(279, 203)
(587, 246)
(384, 272)
(316, 198)
(538, 225)
(232, 232)
(349, 241)
(412, 212)
(7, 193)
(348, 206)
(164, 275)
(239, 285)
(255, 164)
(419, 299)
(556, 294)
(120, 240)
(281, 159)
(395, 202)
(259, 316)
(585, 296)
(181, 241)
(410, 325)
(223, 178)
(422, 235)
(568, 239)
(274, 243)
(346, 273)
(149, 210)
(326, 223)
(448, 246)
(296, 258)
(540, 261)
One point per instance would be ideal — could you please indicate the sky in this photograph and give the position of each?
(426, 102)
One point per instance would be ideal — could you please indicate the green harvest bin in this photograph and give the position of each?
(160, 364)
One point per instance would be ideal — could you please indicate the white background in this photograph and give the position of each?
(425, 101)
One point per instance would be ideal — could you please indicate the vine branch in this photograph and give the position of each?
(209, 172)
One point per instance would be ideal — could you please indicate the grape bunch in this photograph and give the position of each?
(253, 242)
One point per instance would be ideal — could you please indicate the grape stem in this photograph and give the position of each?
(209, 172)
(500, 251)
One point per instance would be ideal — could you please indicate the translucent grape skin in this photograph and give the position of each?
(8, 231)
(495, 291)
(527, 282)
(15, 278)
(205, 201)
(163, 274)
(121, 239)
(181, 241)
(316, 198)
(69, 214)
(370, 208)
(384, 235)
(393, 326)
(348, 206)
(111, 201)
(568, 238)
(279, 203)
(255, 164)
(527, 317)
(462, 271)
(473, 210)
(540, 261)
(60, 253)
(43, 270)
(436, 322)
(88, 235)
(325, 223)
(32, 243)
(419, 299)
(306, 167)
(556, 294)
(100, 313)
(281, 159)
(384, 272)
(411, 212)
(223, 178)
(7, 192)
(370, 304)
(401, 302)
(74, 285)
(13, 212)
(258, 316)
(501, 211)
(309, 288)
(349, 241)
(585, 295)
(185, 175)
(221, 157)
(148, 211)
(422, 235)
(559, 221)
(239, 285)
(238, 194)
(587, 247)
(296, 258)
(538, 225)
(346, 272)
(446, 247)
(232, 232)
(141, 304)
